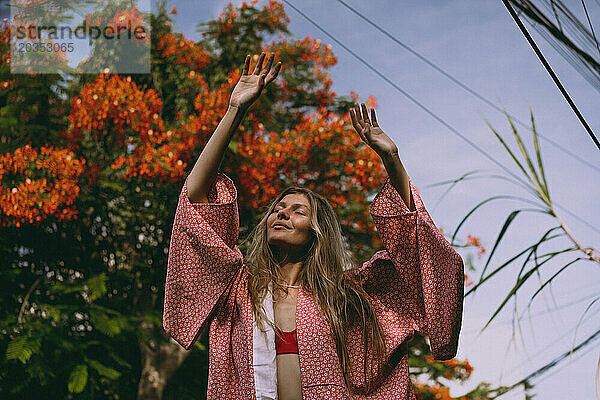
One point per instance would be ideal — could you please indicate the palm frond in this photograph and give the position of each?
(506, 263)
(487, 201)
(503, 230)
(535, 180)
(515, 159)
(581, 319)
(549, 280)
(520, 281)
(538, 154)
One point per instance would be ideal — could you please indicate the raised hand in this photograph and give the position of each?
(371, 133)
(250, 86)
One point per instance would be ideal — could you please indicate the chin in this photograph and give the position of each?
(277, 242)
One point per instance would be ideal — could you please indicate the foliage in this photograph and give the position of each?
(90, 173)
(536, 256)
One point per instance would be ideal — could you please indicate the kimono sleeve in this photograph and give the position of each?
(203, 259)
(419, 276)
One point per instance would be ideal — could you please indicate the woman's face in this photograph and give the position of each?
(288, 225)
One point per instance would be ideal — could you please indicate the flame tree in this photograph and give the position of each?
(90, 172)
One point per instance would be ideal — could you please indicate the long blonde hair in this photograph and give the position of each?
(324, 274)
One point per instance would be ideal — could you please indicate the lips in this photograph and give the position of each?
(276, 224)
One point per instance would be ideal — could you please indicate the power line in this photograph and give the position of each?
(537, 51)
(428, 111)
(407, 95)
(448, 126)
(538, 314)
(459, 83)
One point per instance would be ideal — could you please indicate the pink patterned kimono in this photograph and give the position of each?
(415, 284)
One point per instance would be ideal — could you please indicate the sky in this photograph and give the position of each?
(478, 43)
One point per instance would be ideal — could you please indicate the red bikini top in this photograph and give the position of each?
(288, 344)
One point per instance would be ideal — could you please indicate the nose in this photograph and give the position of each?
(281, 214)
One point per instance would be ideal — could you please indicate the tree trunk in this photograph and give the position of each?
(159, 363)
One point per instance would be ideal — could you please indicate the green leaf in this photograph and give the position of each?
(97, 286)
(519, 283)
(538, 154)
(104, 370)
(117, 187)
(536, 180)
(481, 204)
(22, 348)
(581, 318)
(65, 288)
(104, 323)
(233, 146)
(505, 227)
(52, 312)
(109, 321)
(551, 279)
(469, 263)
(509, 261)
(515, 159)
(154, 317)
(200, 346)
(119, 360)
(78, 379)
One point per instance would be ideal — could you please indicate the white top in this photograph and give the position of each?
(264, 355)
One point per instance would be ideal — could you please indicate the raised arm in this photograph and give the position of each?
(247, 90)
(203, 255)
(418, 278)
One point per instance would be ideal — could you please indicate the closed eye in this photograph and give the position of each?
(298, 208)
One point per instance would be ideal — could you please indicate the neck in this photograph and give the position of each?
(290, 272)
(290, 261)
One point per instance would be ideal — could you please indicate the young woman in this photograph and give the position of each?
(295, 319)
